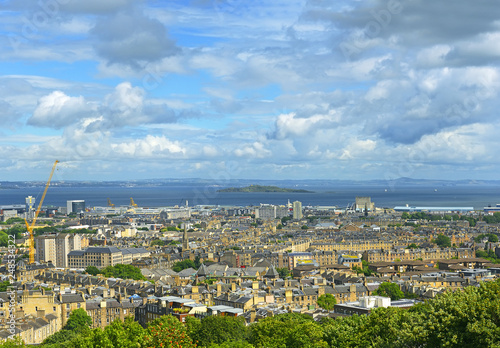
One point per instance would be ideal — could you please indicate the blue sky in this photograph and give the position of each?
(295, 89)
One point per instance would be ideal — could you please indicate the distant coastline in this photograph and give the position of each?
(262, 188)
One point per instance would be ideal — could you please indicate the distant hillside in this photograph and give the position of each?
(261, 188)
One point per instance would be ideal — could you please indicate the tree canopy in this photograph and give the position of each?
(78, 321)
(179, 266)
(327, 301)
(123, 272)
(462, 318)
(391, 290)
(442, 241)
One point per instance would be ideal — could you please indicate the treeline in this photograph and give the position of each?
(118, 271)
(464, 318)
(490, 219)
(436, 217)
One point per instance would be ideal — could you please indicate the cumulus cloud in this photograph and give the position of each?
(58, 110)
(291, 125)
(131, 38)
(255, 150)
(266, 84)
(403, 110)
(151, 146)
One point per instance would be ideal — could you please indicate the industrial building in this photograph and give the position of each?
(363, 203)
(490, 210)
(409, 209)
(77, 206)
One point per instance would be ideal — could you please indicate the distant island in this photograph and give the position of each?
(261, 188)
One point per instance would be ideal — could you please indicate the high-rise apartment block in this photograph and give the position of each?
(56, 247)
(30, 207)
(297, 210)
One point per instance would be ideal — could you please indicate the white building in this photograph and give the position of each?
(297, 210)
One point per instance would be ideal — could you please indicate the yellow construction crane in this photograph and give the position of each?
(110, 204)
(30, 227)
(132, 203)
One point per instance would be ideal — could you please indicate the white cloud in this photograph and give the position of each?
(151, 146)
(57, 110)
(255, 150)
(291, 125)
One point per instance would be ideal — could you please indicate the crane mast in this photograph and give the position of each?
(30, 227)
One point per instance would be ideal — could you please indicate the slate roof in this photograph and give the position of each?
(272, 273)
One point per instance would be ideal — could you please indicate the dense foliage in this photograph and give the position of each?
(327, 301)
(463, 318)
(492, 238)
(4, 285)
(488, 255)
(492, 219)
(391, 290)
(117, 271)
(284, 272)
(364, 269)
(437, 217)
(442, 241)
(179, 266)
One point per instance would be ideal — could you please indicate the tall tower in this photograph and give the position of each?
(185, 239)
(30, 207)
(297, 210)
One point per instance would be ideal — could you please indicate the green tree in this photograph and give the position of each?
(78, 321)
(412, 246)
(232, 344)
(327, 301)
(123, 272)
(192, 325)
(13, 343)
(179, 266)
(290, 330)
(284, 272)
(167, 332)
(197, 262)
(284, 219)
(16, 231)
(492, 238)
(4, 285)
(304, 227)
(391, 290)
(442, 241)
(92, 270)
(4, 239)
(220, 329)
(125, 334)
(158, 242)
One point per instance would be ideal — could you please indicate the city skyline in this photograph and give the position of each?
(229, 89)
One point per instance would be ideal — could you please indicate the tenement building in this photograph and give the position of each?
(104, 256)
